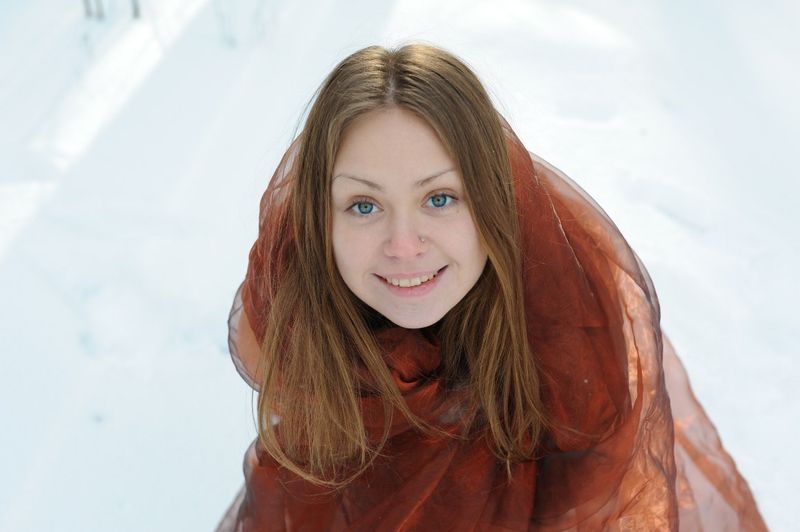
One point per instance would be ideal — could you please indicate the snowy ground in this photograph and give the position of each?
(133, 154)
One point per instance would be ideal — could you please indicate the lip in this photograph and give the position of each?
(413, 291)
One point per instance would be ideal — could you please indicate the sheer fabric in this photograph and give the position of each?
(631, 448)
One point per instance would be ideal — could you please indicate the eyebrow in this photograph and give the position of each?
(421, 183)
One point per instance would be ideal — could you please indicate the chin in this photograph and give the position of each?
(413, 322)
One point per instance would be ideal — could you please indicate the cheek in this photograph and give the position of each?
(348, 251)
(465, 237)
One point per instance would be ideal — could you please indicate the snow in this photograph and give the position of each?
(133, 154)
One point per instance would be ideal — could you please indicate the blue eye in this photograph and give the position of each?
(363, 208)
(440, 200)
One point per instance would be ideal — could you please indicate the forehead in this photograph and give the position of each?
(389, 146)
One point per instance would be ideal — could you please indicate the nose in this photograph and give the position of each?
(404, 240)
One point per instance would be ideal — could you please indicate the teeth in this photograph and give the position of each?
(416, 281)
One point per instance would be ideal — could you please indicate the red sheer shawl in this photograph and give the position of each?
(631, 449)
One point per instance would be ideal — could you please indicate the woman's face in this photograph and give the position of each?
(400, 217)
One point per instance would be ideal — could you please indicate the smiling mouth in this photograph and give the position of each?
(413, 281)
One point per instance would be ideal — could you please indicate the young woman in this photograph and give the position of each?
(447, 333)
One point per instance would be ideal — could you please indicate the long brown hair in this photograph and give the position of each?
(317, 329)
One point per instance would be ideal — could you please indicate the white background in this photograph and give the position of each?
(133, 154)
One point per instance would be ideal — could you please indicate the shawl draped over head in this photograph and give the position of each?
(630, 448)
